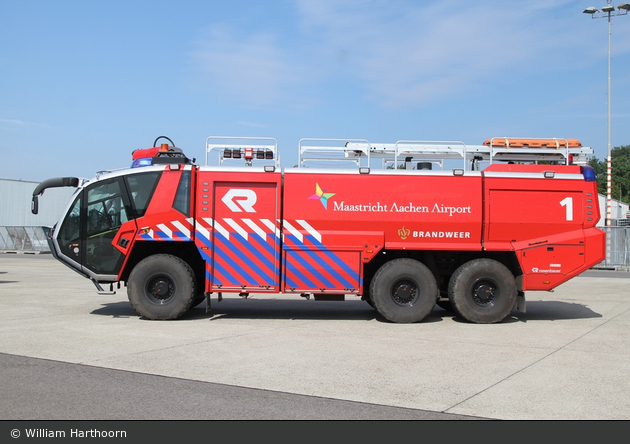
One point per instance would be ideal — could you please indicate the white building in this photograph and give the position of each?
(20, 230)
(618, 210)
(15, 204)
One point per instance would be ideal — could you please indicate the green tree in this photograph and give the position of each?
(620, 184)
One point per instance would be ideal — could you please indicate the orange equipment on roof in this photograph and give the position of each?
(533, 143)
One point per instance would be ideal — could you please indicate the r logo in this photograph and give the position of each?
(239, 200)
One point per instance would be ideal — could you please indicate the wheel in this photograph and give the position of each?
(161, 287)
(482, 291)
(198, 300)
(404, 291)
(367, 296)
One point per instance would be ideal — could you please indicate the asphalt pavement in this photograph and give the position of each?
(68, 353)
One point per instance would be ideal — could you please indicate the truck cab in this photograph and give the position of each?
(101, 221)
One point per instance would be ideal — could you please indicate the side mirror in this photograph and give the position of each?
(34, 205)
(51, 183)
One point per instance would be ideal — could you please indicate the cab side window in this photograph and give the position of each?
(141, 187)
(105, 208)
(182, 198)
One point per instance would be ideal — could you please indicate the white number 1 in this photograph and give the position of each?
(568, 202)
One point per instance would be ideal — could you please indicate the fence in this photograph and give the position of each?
(33, 240)
(617, 247)
(24, 239)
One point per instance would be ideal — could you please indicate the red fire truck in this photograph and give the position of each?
(403, 226)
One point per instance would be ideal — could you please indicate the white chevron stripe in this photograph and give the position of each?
(293, 231)
(253, 225)
(272, 228)
(259, 231)
(203, 231)
(185, 231)
(310, 230)
(218, 227)
(166, 230)
(232, 223)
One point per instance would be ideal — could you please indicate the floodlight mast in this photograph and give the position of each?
(608, 12)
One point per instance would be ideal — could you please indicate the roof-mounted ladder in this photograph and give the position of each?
(360, 152)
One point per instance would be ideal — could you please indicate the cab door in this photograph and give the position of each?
(106, 209)
(84, 238)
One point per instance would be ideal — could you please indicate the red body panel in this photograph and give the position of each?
(313, 231)
(544, 220)
(419, 211)
(340, 221)
(237, 230)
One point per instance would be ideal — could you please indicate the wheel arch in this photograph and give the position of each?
(442, 263)
(187, 251)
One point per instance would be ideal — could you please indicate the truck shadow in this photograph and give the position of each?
(537, 311)
(233, 308)
(554, 311)
(347, 310)
(6, 282)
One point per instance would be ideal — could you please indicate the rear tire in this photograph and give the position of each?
(482, 291)
(161, 286)
(404, 291)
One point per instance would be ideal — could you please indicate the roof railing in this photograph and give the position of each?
(240, 151)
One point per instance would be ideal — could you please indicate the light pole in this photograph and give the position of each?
(608, 11)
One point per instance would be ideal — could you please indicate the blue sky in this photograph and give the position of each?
(84, 83)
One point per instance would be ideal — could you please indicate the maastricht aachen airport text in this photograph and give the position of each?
(401, 208)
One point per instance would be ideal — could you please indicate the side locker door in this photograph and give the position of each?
(245, 238)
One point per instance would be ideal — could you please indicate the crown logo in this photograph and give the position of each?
(403, 233)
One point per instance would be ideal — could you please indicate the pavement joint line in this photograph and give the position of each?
(542, 358)
(205, 341)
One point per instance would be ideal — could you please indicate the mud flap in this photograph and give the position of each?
(520, 302)
(208, 303)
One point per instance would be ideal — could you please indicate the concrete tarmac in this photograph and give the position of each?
(565, 358)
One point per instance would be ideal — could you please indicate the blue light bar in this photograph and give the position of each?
(589, 173)
(142, 162)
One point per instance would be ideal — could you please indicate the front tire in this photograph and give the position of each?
(404, 291)
(161, 286)
(482, 291)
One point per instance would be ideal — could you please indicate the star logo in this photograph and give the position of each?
(322, 195)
